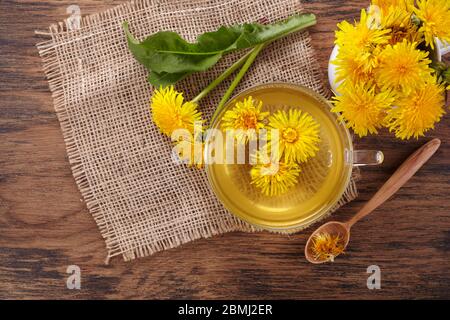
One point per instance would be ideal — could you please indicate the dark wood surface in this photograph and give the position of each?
(44, 226)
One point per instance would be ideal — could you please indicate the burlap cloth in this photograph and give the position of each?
(141, 201)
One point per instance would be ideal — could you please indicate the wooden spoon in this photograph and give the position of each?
(395, 182)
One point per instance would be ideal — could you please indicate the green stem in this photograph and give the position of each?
(253, 54)
(248, 59)
(223, 76)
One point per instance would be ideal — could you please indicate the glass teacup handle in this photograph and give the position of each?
(360, 158)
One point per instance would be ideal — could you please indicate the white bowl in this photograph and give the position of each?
(441, 50)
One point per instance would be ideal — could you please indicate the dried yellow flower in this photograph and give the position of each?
(326, 247)
(272, 177)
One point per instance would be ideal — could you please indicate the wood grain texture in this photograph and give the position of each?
(44, 224)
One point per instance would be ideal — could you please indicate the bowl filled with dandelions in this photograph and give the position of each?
(386, 68)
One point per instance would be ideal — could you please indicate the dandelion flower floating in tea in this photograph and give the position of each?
(417, 112)
(326, 247)
(170, 112)
(402, 67)
(272, 177)
(435, 17)
(247, 118)
(299, 135)
(362, 108)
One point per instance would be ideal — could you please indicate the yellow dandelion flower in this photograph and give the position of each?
(364, 36)
(170, 112)
(326, 247)
(398, 20)
(386, 5)
(435, 17)
(299, 135)
(362, 108)
(274, 178)
(359, 46)
(246, 117)
(402, 67)
(352, 66)
(395, 16)
(417, 112)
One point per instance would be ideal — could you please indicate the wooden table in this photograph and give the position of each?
(45, 226)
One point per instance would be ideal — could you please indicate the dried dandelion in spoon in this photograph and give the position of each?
(326, 247)
(330, 239)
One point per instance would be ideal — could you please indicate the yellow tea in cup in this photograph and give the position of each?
(322, 179)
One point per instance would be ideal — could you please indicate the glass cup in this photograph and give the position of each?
(322, 180)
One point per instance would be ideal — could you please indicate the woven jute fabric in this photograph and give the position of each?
(141, 200)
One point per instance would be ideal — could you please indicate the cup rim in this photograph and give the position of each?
(317, 216)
